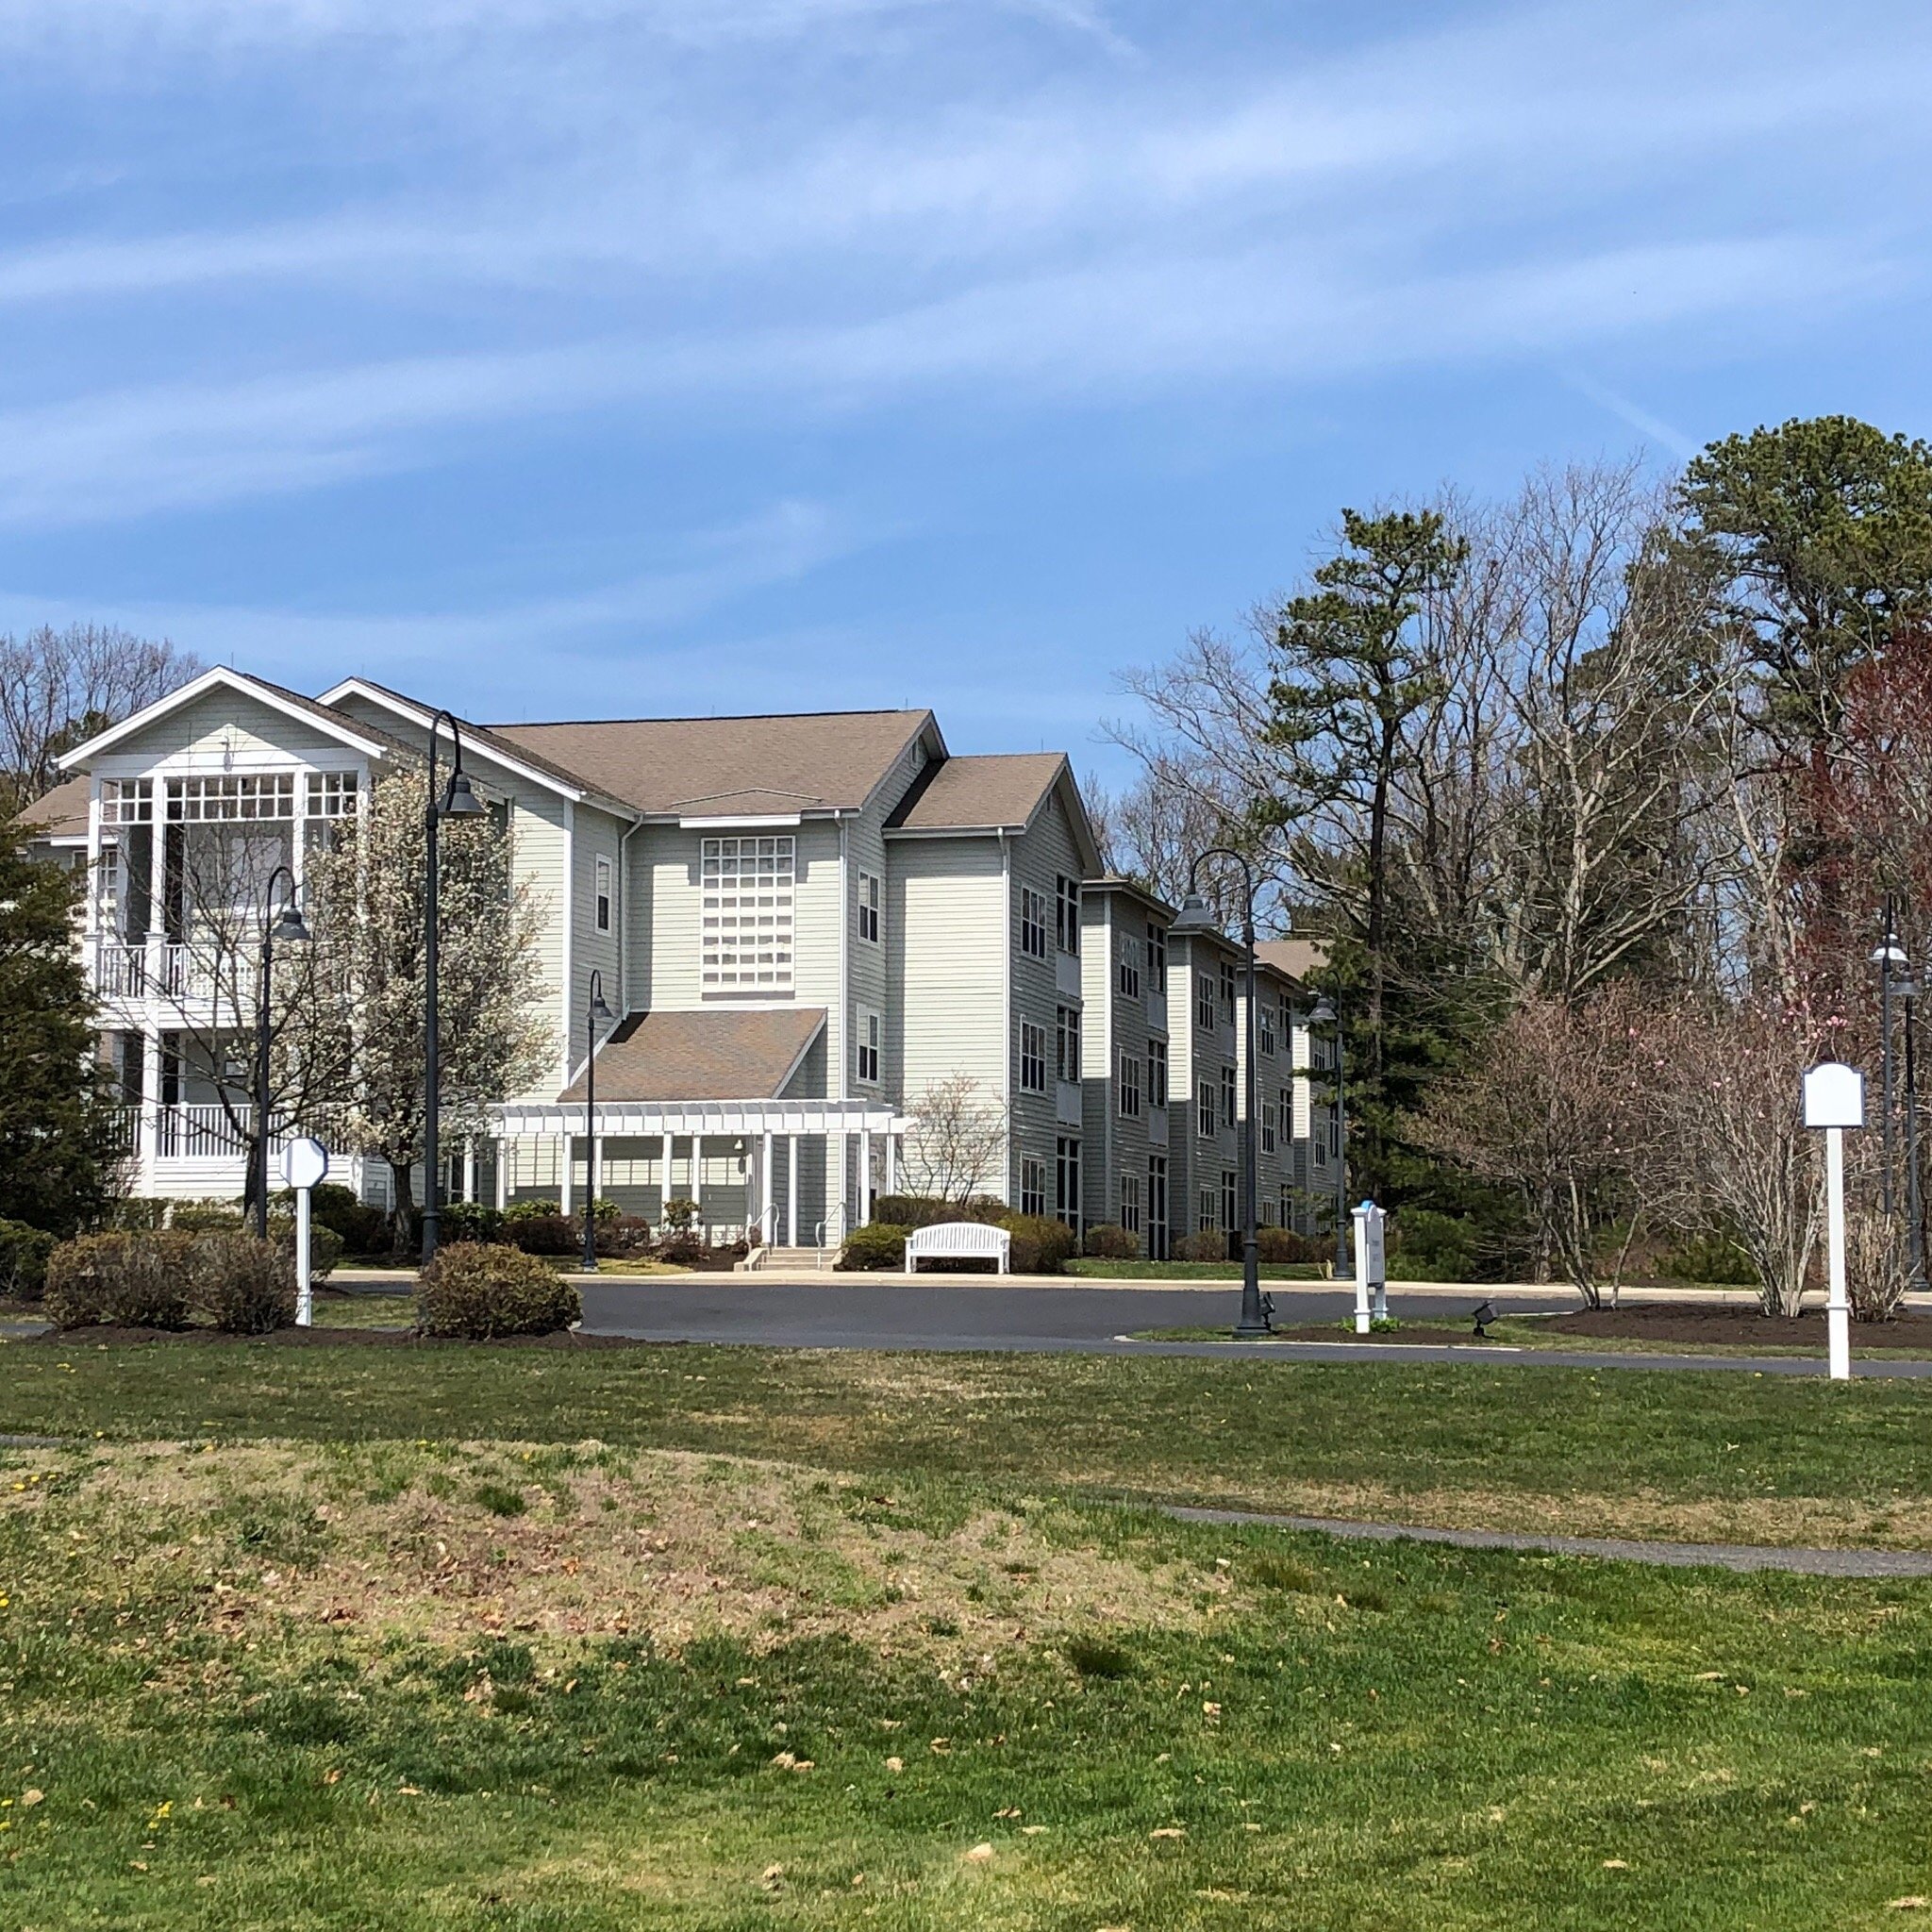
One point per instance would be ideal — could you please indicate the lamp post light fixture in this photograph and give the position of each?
(288, 926)
(1195, 918)
(596, 1013)
(458, 802)
(1323, 1015)
(1889, 957)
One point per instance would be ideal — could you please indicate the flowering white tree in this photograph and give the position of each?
(368, 907)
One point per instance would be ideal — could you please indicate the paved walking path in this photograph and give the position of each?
(1877, 1563)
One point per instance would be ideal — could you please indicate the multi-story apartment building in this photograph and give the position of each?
(802, 924)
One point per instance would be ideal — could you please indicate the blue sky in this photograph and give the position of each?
(570, 357)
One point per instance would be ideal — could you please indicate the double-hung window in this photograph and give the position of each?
(1156, 1072)
(1032, 1058)
(867, 1066)
(1032, 1187)
(1130, 1202)
(603, 894)
(1229, 1213)
(1264, 1027)
(1267, 1126)
(1228, 983)
(1207, 1113)
(1128, 970)
(1066, 917)
(1156, 956)
(1227, 1106)
(747, 909)
(1067, 1181)
(1207, 1208)
(1130, 1086)
(1205, 1015)
(1067, 1042)
(869, 906)
(1032, 923)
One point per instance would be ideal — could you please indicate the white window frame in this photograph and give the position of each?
(725, 963)
(1130, 1202)
(1267, 1126)
(1066, 919)
(1033, 1185)
(1264, 1028)
(1207, 1113)
(870, 901)
(1156, 956)
(869, 1036)
(604, 880)
(1032, 923)
(1032, 1057)
(1067, 1205)
(1230, 1101)
(1128, 974)
(1206, 1003)
(1066, 1044)
(1130, 1086)
(1156, 1072)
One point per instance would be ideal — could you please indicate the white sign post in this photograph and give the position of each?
(304, 1167)
(1371, 1268)
(1835, 1100)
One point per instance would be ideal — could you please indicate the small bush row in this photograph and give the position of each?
(172, 1278)
(1039, 1245)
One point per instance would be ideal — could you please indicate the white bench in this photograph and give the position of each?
(959, 1239)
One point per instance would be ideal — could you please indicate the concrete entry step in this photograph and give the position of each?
(788, 1260)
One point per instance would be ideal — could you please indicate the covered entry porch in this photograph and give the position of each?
(784, 1172)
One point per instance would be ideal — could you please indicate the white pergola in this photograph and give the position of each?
(760, 1124)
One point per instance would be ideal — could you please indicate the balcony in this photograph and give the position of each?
(204, 1140)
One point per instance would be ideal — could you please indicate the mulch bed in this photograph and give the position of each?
(1733, 1324)
(335, 1337)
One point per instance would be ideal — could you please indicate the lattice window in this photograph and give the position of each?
(331, 794)
(232, 796)
(748, 890)
(128, 802)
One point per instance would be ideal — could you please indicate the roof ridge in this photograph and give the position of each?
(708, 717)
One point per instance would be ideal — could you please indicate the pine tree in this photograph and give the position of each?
(56, 1138)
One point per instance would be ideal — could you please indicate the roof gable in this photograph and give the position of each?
(708, 1055)
(288, 704)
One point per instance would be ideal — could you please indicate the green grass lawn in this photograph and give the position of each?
(1096, 1268)
(541, 1641)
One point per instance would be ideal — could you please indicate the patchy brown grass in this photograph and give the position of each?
(444, 1544)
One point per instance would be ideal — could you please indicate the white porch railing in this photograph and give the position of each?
(199, 1133)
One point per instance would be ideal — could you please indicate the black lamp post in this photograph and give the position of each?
(289, 927)
(458, 802)
(596, 1012)
(1888, 957)
(1323, 1015)
(1195, 918)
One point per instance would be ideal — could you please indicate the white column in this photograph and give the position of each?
(835, 1182)
(864, 1175)
(505, 1148)
(767, 1223)
(697, 1176)
(470, 1169)
(664, 1191)
(791, 1191)
(594, 1180)
(563, 1207)
(149, 1129)
(1837, 1309)
(891, 1163)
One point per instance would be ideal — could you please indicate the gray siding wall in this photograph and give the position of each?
(1117, 1024)
(947, 965)
(594, 834)
(1040, 857)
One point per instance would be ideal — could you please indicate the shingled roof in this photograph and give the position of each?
(703, 1056)
(729, 767)
(60, 813)
(999, 792)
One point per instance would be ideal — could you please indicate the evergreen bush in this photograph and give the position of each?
(478, 1291)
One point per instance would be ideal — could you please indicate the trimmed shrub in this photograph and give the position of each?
(363, 1229)
(124, 1280)
(470, 1221)
(23, 1253)
(202, 1217)
(1040, 1246)
(477, 1291)
(543, 1234)
(1282, 1244)
(624, 1237)
(241, 1285)
(1210, 1244)
(879, 1244)
(1112, 1242)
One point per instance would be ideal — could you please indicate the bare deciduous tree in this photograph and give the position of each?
(958, 1143)
(1552, 1109)
(57, 687)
